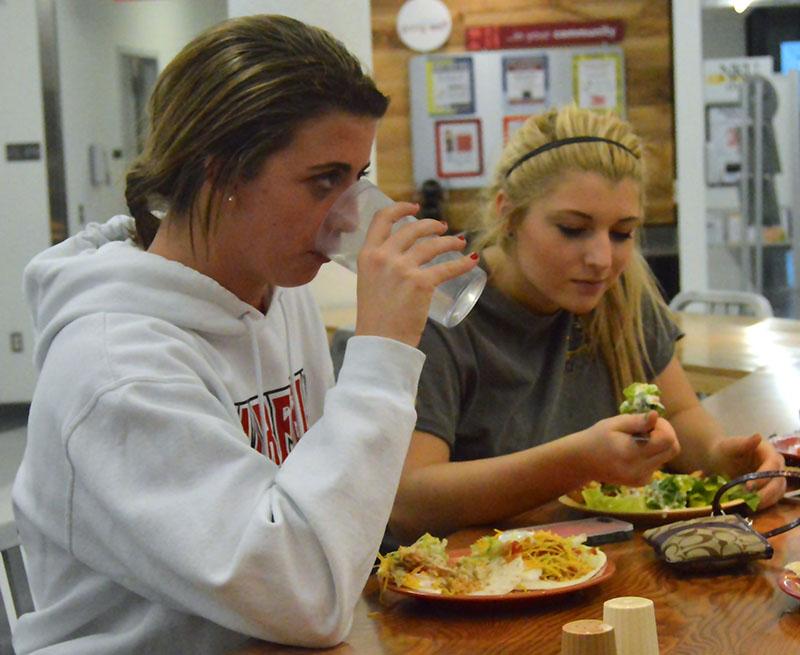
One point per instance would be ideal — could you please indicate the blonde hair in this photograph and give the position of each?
(615, 328)
(235, 95)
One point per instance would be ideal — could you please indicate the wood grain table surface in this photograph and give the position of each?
(736, 612)
(737, 343)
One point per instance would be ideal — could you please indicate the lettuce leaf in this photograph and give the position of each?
(596, 499)
(641, 397)
(665, 491)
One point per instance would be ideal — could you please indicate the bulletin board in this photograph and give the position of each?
(464, 106)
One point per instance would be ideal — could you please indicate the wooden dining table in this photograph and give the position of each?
(740, 611)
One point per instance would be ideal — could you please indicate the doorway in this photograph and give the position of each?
(138, 77)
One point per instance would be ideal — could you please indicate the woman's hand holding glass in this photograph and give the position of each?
(394, 287)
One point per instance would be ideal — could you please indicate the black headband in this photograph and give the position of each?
(565, 142)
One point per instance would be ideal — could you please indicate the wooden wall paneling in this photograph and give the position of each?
(648, 74)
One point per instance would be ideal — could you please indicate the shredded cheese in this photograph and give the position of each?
(558, 558)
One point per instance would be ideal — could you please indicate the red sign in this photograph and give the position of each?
(503, 37)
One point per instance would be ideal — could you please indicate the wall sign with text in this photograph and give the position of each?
(451, 87)
(511, 124)
(525, 80)
(597, 80)
(465, 106)
(424, 25)
(23, 151)
(544, 35)
(459, 152)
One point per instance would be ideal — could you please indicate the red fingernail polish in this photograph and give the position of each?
(474, 256)
(462, 237)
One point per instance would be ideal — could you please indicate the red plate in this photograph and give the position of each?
(604, 573)
(789, 583)
(788, 446)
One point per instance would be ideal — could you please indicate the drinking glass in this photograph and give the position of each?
(342, 234)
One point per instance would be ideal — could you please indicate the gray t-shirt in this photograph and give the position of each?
(506, 379)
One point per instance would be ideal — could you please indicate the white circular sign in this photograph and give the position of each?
(424, 25)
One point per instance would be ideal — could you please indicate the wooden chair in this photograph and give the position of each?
(338, 345)
(14, 590)
(7, 579)
(718, 301)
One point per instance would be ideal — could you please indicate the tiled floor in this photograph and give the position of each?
(13, 419)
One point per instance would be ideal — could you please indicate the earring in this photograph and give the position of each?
(230, 198)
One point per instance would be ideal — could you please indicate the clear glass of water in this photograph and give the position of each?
(342, 234)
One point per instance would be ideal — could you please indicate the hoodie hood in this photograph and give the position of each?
(101, 270)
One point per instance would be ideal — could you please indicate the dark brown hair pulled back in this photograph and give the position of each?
(232, 97)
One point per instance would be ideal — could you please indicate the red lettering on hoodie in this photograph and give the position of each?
(281, 419)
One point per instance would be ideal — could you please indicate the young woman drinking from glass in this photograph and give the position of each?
(192, 478)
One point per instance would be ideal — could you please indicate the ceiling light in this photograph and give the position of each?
(740, 6)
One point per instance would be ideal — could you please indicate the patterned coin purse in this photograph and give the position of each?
(719, 540)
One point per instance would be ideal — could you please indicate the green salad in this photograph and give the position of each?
(665, 491)
(641, 397)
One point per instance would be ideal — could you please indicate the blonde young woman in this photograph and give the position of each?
(192, 477)
(518, 404)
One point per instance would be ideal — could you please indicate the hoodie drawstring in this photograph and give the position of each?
(262, 410)
(294, 401)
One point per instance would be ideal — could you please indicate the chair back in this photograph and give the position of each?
(718, 301)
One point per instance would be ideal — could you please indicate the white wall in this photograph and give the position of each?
(690, 187)
(335, 287)
(92, 34)
(723, 33)
(348, 20)
(24, 211)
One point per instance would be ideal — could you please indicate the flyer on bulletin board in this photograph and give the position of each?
(525, 80)
(459, 152)
(511, 124)
(451, 86)
(597, 81)
(724, 144)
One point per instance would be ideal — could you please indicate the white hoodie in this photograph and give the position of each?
(150, 518)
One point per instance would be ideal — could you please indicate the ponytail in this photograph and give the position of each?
(136, 197)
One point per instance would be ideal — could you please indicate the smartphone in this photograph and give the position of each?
(598, 529)
(792, 496)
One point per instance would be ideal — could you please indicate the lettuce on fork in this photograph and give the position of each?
(641, 397)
